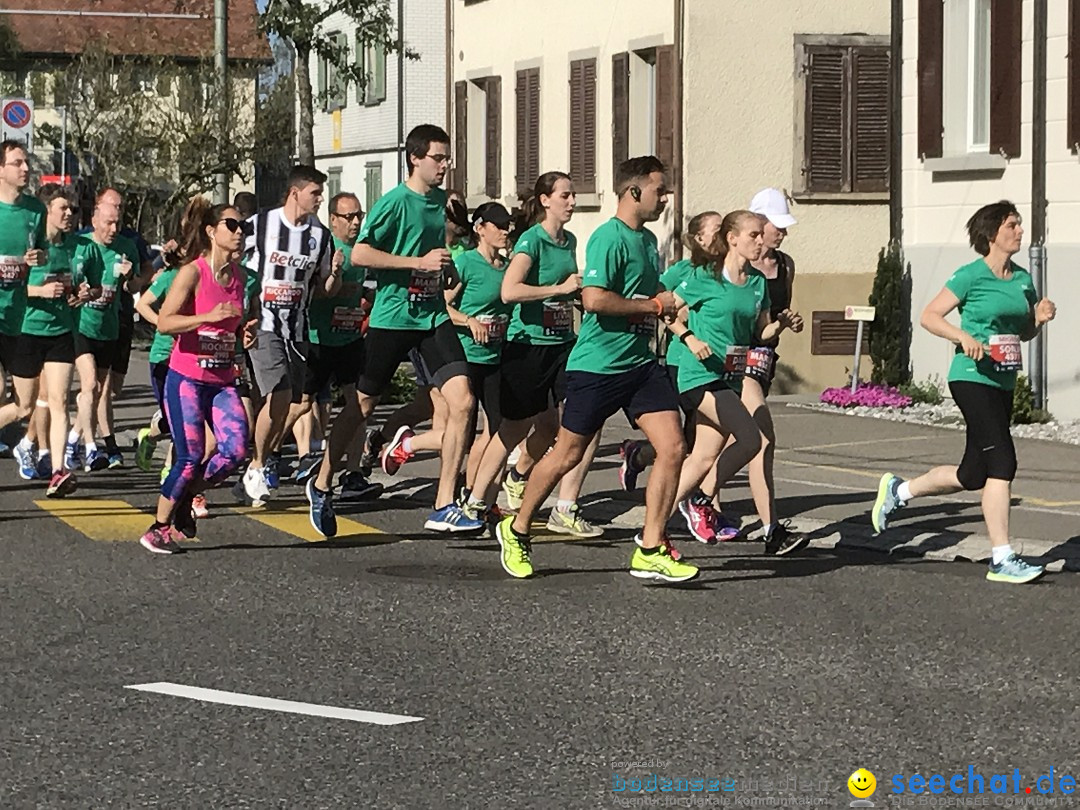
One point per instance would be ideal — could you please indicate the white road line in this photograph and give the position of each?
(273, 704)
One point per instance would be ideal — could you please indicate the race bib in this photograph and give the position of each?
(13, 271)
(424, 286)
(496, 327)
(735, 359)
(1005, 353)
(105, 300)
(283, 294)
(346, 319)
(63, 278)
(216, 348)
(759, 364)
(642, 324)
(558, 318)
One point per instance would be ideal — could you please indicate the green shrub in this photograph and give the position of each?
(1024, 410)
(890, 333)
(927, 392)
(402, 388)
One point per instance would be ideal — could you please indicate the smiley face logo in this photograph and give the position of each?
(862, 784)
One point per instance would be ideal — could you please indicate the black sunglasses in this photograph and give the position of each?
(351, 216)
(232, 224)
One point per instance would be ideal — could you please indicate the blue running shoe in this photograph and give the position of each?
(888, 501)
(44, 465)
(270, 471)
(26, 457)
(1014, 571)
(452, 518)
(116, 461)
(307, 467)
(355, 485)
(73, 456)
(323, 519)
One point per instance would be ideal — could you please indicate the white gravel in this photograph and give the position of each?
(948, 415)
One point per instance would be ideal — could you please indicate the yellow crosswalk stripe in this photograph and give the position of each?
(99, 519)
(295, 521)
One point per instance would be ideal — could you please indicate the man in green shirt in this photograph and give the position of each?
(613, 367)
(403, 246)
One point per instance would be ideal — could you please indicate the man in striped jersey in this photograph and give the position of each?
(292, 257)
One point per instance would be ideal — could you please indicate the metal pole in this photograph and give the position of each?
(221, 54)
(1037, 348)
(1037, 251)
(858, 357)
(63, 146)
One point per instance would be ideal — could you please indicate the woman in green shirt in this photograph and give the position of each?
(999, 308)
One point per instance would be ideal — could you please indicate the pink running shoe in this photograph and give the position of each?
(199, 508)
(698, 520)
(394, 454)
(159, 541)
(725, 530)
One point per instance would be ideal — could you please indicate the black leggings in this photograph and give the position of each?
(990, 452)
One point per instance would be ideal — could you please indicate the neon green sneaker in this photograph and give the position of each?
(515, 550)
(571, 522)
(144, 452)
(515, 492)
(660, 566)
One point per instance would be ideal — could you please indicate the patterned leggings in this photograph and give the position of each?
(190, 405)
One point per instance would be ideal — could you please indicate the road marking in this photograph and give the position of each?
(273, 704)
(1044, 502)
(99, 519)
(853, 444)
(295, 521)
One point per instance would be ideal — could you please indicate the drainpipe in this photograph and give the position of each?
(450, 68)
(677, 145)
(896, 157)
(1037, 250)
(401, 92)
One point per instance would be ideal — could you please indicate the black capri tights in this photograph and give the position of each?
(990, 452)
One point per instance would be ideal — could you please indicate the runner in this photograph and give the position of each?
(403, 244)
(999, 308)
(543, 282)
(289, 251)
(730, 310)
(336, 353)
(612, 366)
(477, 310)
(204, 308)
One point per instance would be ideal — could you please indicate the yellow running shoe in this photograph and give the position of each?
(660, 566)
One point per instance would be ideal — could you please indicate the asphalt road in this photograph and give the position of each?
(773, 679)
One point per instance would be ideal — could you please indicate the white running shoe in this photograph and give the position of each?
(256, 487)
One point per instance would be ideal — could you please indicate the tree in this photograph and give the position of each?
(301, 24)
(890, 334)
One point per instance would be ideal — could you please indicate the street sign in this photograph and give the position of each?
(859, 313)
(17, 121)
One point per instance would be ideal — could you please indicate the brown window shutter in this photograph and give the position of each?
(528, 129)
(930, 65)
(1073, 125)
(870, 125)
(1006, 48)
(583, 125)
(620, 109)
(588, 169)
(522, 116)
(665, 104)
(493, 137)
(533, 168)
(461, 137)
(827, 120)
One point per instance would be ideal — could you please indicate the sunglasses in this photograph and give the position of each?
(232, 224)
(352, 216)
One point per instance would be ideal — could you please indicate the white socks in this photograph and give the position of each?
(1000, 553)
(564, 506)
(25, 444)
(73, 437)
(903, 492)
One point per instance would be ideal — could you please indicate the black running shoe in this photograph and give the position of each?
(372, 450)
(780, 541)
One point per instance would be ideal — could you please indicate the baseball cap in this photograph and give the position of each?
(492, 212)
(772, 203)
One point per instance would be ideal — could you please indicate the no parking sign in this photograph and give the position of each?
(17, 121)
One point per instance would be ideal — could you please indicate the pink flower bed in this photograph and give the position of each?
(872, 396)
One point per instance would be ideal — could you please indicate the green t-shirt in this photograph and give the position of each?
(457, 249)
(22, 226)
(481, 297)
(995, 312)
(672, 278)
(724, 315)
(405, 223)
(100, 318)
(550, 321)
(627, 262)
(162, 345)
(336, 321)
(49, 317)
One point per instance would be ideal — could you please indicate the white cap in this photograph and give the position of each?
(772, 203)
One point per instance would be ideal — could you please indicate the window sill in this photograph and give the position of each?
(841, 196)
(589, 202)
(474, 201)
(975, 162)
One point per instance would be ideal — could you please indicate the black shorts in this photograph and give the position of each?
(333, 364)
(592, 398)
(104, 351)
(533, 378)
(767, 384)
(9, 348)
(158, 373)
(34, 351)
(691, 400)
(485, 381)
(440, 348)
(123, 348)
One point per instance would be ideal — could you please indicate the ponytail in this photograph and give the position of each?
(700, 255)
(197, 217)
(533, 211)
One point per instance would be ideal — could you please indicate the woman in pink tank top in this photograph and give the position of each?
(204, 309)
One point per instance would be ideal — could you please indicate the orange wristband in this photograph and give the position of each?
(659, 306)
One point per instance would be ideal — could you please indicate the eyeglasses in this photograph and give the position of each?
(17, 163)
(440, 159)
(232, 224)
(351, 216)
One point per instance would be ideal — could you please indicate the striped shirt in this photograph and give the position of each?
(287, 260)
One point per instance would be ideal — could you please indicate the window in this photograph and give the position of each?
(37, 87)
(528, 130)
(372, 184)
(332, 87)
(192, 94)
(643, 104)
(843, 144)
(333, 182)
(478, 136)
(583, 125)
(371, 56)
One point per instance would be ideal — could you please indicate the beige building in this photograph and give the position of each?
(794, 94)
(972, 124)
